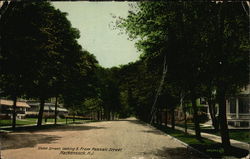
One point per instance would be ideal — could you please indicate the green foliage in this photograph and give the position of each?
(187, 34)
(208, 147)
(40, 56)
(205, 45)
(92, 104)
(109, 91)
(138, 87)
(202, 117)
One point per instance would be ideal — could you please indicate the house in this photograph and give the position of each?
(49, 109)
(238, 109)
(6, 108)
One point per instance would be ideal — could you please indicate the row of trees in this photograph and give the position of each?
(40, 57)
(206, 49)
(105, 102)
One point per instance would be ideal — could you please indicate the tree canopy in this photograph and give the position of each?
(40, 55)
(205, 45)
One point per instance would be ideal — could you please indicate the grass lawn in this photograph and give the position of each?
(30, 121)
(236, 134)
(209, 147)
(191, 126)
(32, 124)
(18, 122)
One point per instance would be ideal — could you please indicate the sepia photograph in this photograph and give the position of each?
(124, 79)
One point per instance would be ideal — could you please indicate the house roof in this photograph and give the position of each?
(48, 106)
(52, 108)
(37, 104)
(10, 103)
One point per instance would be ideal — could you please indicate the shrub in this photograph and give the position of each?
(202, 117)
(31, 115)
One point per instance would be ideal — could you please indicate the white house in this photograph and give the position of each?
(49, 109)
(6, 107)
(238, 109)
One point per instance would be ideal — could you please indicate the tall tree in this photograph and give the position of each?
(197, 39)
(14, 55)
(40, 53)
(80, 83)
(232, 59)
(163, 27)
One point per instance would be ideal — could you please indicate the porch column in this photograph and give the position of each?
(208, 112)
(228, 111)
(237, 108)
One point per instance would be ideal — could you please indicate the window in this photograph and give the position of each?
(232, 103)
(244, 105)
(203, 101)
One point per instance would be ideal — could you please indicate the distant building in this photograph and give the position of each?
(49, 109)
(6, 108)
(238, 109)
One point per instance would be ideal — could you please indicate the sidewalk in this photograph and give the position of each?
(216, 138)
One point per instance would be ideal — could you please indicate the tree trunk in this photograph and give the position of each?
(222, 89)
(166, 118)
(223, 123)
(40, 115)
(101, 114)
(185, 118)
(108, 115)
(105, 114)
(172, 119)
(195, 118)
(211, 106)
(56, 111)
(14, 113)
(74, 117)
(98, 115)
(158, 117)
(113, 115)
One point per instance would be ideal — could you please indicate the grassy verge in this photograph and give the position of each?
(191, 126)
(32, 121)
(48, 126)
(236, 134)
(209, 147)
(18, 122)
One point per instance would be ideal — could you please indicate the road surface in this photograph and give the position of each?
(123, 139)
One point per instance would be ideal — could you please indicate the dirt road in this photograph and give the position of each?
(124, 139)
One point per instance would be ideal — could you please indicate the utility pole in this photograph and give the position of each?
(153, 109)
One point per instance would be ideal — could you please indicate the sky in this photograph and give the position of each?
(93, 19)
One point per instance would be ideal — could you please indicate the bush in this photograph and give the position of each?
(202, 117)
(31, 116)
(61, 116)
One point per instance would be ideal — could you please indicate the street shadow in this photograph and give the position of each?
(133, 120)
(157, 132)
(216, 150)
(73, 128)
(53, 128)
(16, 141)
(24, 137)
(138, 122)
(175, 153)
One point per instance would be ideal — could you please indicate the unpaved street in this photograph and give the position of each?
(124, 139)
